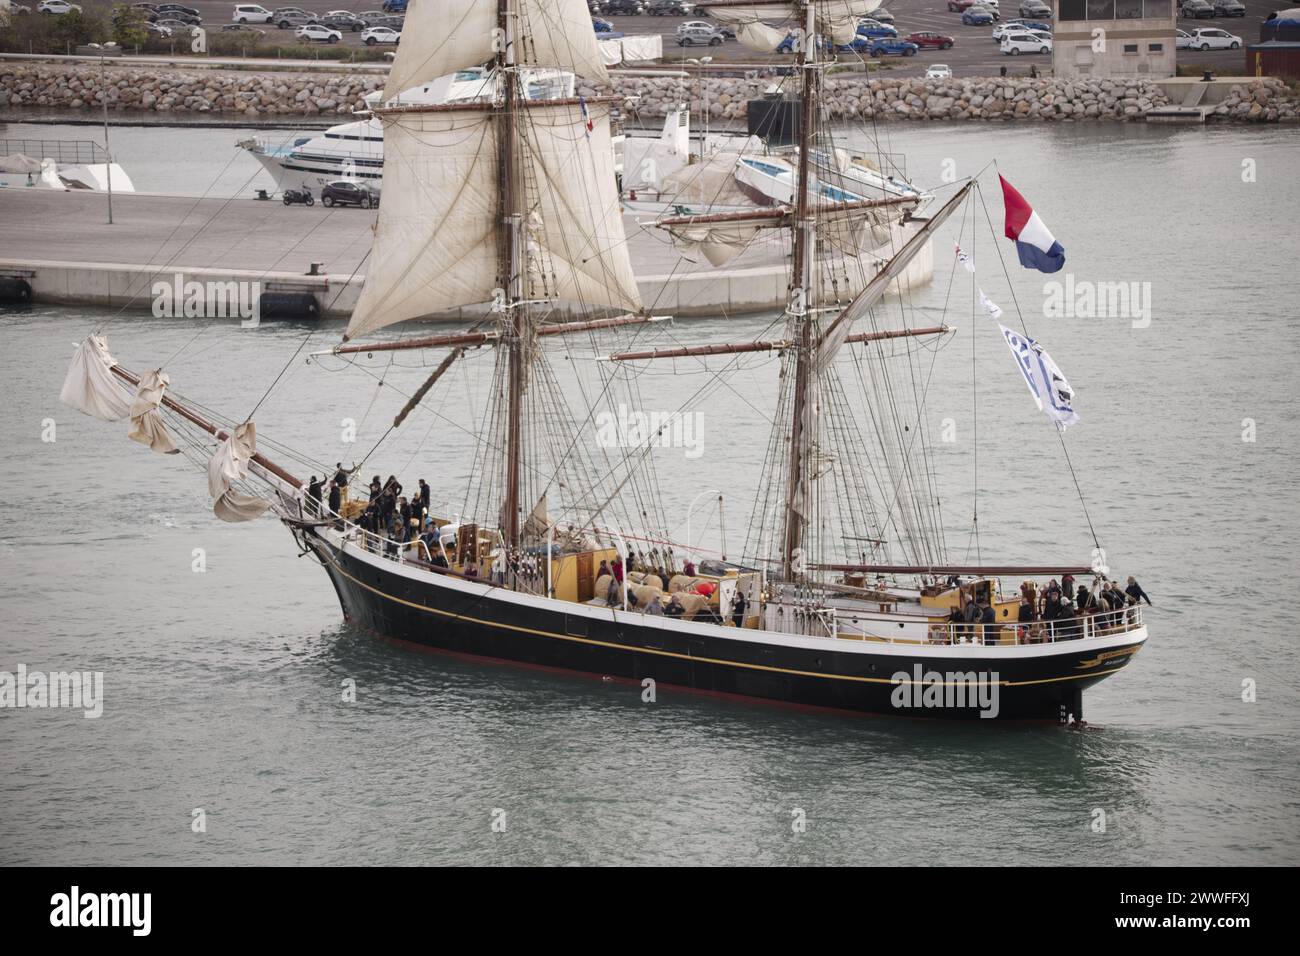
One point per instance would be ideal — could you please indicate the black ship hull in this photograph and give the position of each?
(443, 614)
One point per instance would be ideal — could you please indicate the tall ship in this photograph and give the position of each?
(843, 596)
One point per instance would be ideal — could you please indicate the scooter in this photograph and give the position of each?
(304, 196)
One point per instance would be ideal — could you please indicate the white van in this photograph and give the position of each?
(251, 13)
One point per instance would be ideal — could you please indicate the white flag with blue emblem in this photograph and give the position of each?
(1046, 381)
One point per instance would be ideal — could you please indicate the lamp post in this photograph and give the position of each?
(108, 153)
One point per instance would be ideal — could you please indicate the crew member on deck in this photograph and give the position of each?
(336, 498)
(738, 609)
(1134, 590)
(688, 568)
(423, 499)
(314, 496)
(341, 476)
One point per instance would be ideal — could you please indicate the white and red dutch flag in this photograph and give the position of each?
(582, 105)
(1035, 244)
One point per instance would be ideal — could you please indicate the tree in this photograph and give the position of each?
(128, 26)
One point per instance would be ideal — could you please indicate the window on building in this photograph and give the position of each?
(1101, 9)
(1156, 9)
(1128, 9)
(1155, 47)
(1073, 9)
(1130, 47)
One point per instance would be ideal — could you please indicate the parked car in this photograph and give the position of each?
(345, 192)
(292, 11)
(1196, 10)
(376, 35)
(623, 8)
(1036, 9)
(174, 26)
(177, 16)
(343, 20)
(883, 15)
(1182, 40)
(939, 71)
(251, 13)
(394, 6)
(1229, 8)
(242, 28)
(1014, 44)
(56, 7)
(178, 8)
(669, 8)
(926, 39)
(147, 7)
(154, 30)
(884, 46)
(601, 25)
(1212, 38)
(961, 6)
(316, 33)
(1002, 29)
(699, 33)
(873, 28)
(977, 17)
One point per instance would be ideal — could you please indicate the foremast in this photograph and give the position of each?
(514, 310)
(801, 308)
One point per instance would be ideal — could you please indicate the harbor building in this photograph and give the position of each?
(1099, 38)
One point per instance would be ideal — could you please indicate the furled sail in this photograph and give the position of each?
(227, 467)
(443, 36)
(90, 387)
(146, 421)
(436, 249)
(835, 18)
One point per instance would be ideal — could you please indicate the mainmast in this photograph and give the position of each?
(802, 307)
(510, 268)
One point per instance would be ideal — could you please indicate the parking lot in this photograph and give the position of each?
(973, 54)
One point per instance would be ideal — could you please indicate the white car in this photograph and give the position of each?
(57, 6)
(1183, 40)
(939, 71)
(1011, 26)
(1014, 44)
(1212, 38)
(317, 33)
(380, 35)
(251, 13)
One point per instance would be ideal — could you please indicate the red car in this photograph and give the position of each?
(926, 39)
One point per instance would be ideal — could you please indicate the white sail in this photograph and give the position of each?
(146, 421)
(90, 387)
(443, 36)
(228, 466)
(579, 254)
(435, 243)
(436, 248)
(836, 18)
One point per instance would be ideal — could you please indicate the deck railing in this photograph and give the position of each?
(1001, 634)
(76, 151)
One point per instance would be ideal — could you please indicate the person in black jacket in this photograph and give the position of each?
(738, 609)
(336, 498)
(1134, 590)
(314, 496)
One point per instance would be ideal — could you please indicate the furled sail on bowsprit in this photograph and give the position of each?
(443, 36)
(437, 248)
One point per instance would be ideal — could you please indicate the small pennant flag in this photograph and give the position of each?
(991, 307)
(967, 262)
(1035, 244)
(582, 105)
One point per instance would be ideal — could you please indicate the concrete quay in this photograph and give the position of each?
(61, 244)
